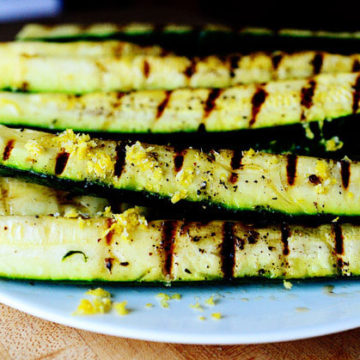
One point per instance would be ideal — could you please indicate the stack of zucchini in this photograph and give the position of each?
(245, 162)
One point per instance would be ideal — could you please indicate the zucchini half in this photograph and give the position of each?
(228, 179)
(23, 198)
(197, 39)
(102, 249)
(90, 49)
(84, 74)
(323, 97)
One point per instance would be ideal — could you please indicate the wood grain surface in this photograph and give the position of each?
(24, 337)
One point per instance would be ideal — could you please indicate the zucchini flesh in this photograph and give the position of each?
(166, 251)
(86, 74)
(90, 49)
(323, 97)
(23, 198)
(197, 39)
(229, 179)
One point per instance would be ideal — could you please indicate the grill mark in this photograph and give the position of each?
(8, 148)
(191, 69)
(291, 169)
(276, 59)
(120, 158)
(61, 162)
(338, 246)
(356, 65)
(345, 173)
(356, 95)
(109, 263)
(228, 251)
(285, 234)
(146, 69)
(119, 96)
(4, 196)
(168, 238)
(210, 101)
(257, 100)
(161, 107)
(179, 160)
(234, 64)
(307, 94)
(317, 63)
(110, 234)
(236, 160)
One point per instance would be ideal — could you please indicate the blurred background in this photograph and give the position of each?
(304, 14)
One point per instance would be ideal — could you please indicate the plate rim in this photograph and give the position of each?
(301, 333)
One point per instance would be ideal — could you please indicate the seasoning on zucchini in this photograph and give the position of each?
(197, 39)
(227, 179)
(24, 198)
(323, 97)
(126, 247)
(85, 74)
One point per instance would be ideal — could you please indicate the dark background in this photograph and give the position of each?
(344, 15)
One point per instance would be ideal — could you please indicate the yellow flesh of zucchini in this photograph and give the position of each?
(76, 249)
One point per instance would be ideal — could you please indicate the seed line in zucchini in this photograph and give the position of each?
(85, 74)
(323, 97)
(170, 251)
(247, 181)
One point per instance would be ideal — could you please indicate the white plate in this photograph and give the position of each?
(251, 313)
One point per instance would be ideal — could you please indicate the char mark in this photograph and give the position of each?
(291, 168)
(210, 101)
(257, 101)
(234, 64)
(168, 239)
(61, 162)
(228, 251)
(120, 158)
(8, 148)
(179, 160)
(356, 65)
(345, 173)
(146, 69)
(307, 94)
(191, 69)
(317, 63)
(356, 95)
(110, 234)
(161, 107)
(233, 178)
(236, 160)
(339, 239)
(276, 59)
(285, 234)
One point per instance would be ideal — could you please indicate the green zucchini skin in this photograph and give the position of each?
(233, 180)
(197, 40)
(217, 250)
(86, 74)
(278, 103)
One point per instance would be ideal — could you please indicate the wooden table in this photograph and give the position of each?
(24, 337)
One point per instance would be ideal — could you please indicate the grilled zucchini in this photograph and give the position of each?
(85, 74)
(323, 97)
(78, 49)
(228, 179)
(129, 249)
(198, 39)
(23, 198)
